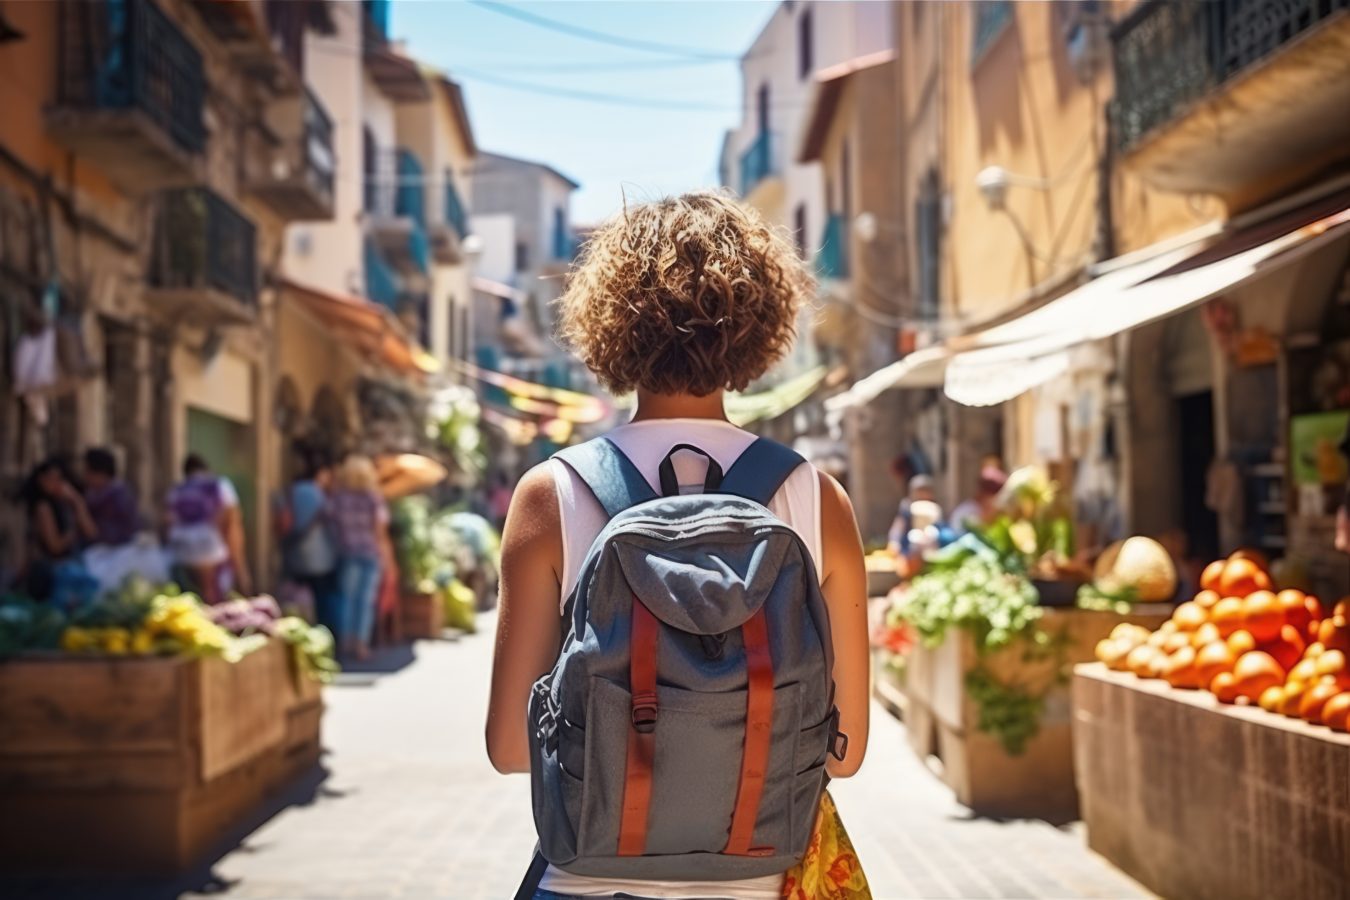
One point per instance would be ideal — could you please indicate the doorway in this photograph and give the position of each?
(1195, 414)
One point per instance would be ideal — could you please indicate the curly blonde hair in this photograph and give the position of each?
(684, 295)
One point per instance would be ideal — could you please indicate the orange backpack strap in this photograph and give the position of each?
(637, 779)
(758, 737)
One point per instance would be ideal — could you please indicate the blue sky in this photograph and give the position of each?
(655, 146)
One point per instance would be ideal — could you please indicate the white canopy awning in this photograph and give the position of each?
(920, 369)
(1032, 349)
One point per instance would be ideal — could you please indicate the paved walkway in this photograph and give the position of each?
(411, 809)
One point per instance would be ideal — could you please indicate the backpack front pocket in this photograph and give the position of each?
(700, 742)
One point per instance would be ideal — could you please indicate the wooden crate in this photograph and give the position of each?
(942, 719)
(423, 615)
(1200, 800)
(141, 765)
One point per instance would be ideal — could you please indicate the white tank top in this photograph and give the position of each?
(647, 443)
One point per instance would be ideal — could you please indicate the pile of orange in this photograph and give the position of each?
(1245, 643)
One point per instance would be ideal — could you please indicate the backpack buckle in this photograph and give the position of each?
(644, 712)
(838, 740)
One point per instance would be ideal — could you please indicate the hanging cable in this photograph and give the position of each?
(601, 36)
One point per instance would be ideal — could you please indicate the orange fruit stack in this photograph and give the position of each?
(1247, 643)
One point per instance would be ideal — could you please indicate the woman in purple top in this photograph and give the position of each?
(111, 502)
(360, 517)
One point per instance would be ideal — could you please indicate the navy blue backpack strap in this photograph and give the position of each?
(610, 475)
(760, 471)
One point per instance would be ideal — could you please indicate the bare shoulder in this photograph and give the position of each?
(835, 506)
(533, 530)
(840, 542)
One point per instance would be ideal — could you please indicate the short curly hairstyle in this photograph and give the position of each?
(684, 295)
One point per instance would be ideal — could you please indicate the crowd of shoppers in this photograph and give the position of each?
(86, 534)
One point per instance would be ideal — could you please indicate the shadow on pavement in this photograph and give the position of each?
(202, 880)
(384, 660)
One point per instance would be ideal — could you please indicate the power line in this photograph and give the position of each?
(593, 96)
(580, 67)
(601, 36)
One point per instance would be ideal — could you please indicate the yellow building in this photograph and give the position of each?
(155, 153)
(1121, 221)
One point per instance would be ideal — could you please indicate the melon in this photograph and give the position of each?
(1137, 563)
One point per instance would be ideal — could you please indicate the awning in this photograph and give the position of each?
(921, 369)
(742, 409)
(369, 328)
(1029, 351)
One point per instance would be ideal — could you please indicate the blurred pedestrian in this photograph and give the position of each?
(111, 502)
(981, 509)
(919, 489)
(205, 532)
(360, 518)
(122, 547)
(309, 554)
(59, 525)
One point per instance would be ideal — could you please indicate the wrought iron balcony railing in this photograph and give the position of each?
(832, 258)
(320, 162)
(759, 161)
(204, 243)
(1170, 53)
(129, 55)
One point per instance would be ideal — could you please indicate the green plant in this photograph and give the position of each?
(971, 589)
(1091, 597)
(454, 418)
(27, 625)
(1010, 712)
(976, 594)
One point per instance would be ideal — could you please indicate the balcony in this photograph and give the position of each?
(289, 163)
(266, 38)
(448, 230)
(832, 257)
(203, 264)
(130, 92)
(1233, 97)
(761, 172)
(395, 200)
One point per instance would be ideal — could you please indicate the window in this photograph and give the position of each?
(805, 50)
(522, 256)
(799, 228)
(845, 183)
(928, 226)
(991, 18)
(762, 108)
(561, 242)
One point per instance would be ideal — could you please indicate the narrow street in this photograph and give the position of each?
(410, 808)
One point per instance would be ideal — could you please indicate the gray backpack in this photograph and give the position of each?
(683, 731)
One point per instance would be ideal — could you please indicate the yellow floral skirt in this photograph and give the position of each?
(830, 870)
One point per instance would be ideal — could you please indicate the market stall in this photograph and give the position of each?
(141, 731)
(1212, 753)
(975, 652)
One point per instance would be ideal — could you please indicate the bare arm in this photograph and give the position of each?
(528, 621)
(84, 522)
(232, 527)
(844, 584)
(53, 542)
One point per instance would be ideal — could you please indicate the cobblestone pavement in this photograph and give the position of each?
(411, 809)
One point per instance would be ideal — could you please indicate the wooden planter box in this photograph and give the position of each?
(942, 720)
(423, 615)
(1200, 800)
(140, 766)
